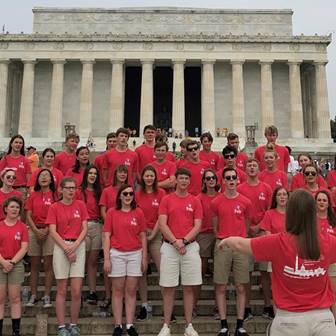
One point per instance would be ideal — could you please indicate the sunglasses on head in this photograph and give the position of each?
(192, 149)
(209, 178)
(8, 177)
(312, 173)
(127, 193)
(229, 156)
(231, 177)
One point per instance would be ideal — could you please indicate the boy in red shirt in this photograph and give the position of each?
(206, 154)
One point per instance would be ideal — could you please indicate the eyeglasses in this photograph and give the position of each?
(209, 178)
(70, 188)
(229, 156)
(312, 173)
(8, 177)
(230, 177)
(128, 193)
(192, 149)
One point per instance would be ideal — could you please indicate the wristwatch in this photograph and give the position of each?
(185, 242)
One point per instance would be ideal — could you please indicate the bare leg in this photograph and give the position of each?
(76, 291)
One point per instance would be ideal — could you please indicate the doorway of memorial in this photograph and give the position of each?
(192, 92)
(132, 99)
(163, 93)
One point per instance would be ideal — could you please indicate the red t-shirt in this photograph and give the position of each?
(260, 195)
(57, 174)
(91, 204)
(207, 211)
(114, 158)
(211, 157)
(108, 197)
(64, 161)
(149, 203)
(325, 227)
(331, 179)
(196, 170)
(298, 285)
(273, 221)
(241, 177)
(125, 228)
(77, 176)
(274, 179)
(99, 163)
(299, 182)
(314, 192)
(241, 160)
(11, 238)
(232, 214)
(20, 164)
(164, 170)
(67, 218)
(170, 157)
(39, 203)
(181, 212)
(3, 197)
(283, 157)
(145, 156)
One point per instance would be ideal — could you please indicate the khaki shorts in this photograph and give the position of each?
(332, 270)
(62, 267)
(93, 240)
(206, 241)
(14, 277)
(155, 244)
(172, 264)
(125, 263)
(226, 260)
(38, 248)
(257, 266)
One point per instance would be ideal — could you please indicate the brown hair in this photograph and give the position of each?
(204, 187)
(143, 184)
(307, 155)
(161, 144)
(123, 130)
(72, 136)
(9, 200)
(120, 168)
(271, 129)
(330, 214)
(274, 202)
(182, 171)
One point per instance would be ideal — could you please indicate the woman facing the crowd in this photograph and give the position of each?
(41, 244)
(13, 247)
(82, 161)
(125, 255)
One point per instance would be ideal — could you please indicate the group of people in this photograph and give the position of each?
(145, 205)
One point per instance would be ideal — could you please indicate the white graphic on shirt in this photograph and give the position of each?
(237, 210)
(262, 197)
(127, 162)
(278, 182)
(17, 236)
(212, 162)
(202, 171)
(21, 165)
(76, 214)
(47, 201)
(164, 172)
(189, 208)
(134, 221)
(155, 202)
(302, 272)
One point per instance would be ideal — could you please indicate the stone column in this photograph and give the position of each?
(208, 97)
(27, 99)
(296, 124)
(85, 107)
(322, 105)
(56, 100)
(238, 108)
(146, 107)
(178, 117)
(117, 95)
(267, 107)
(3, 95)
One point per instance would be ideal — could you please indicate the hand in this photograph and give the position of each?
(179, 245)
(150, 236)
(222, 244)
(7, 266)
(72, 257)
(70, 248)
(254, 230)
(40, 234)
(107, 266)
(144, 265)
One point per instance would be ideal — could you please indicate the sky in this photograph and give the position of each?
(310, 17)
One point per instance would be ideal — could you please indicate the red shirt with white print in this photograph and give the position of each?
(181, 212)
(232, 214)
(273, 221)
(241, 177)
(91, 204)
(211, 157)
(64, 161)
(299, 182)
(274, 179)
(241, 160)
(125, 229)
(68, 218)
(56, 173)
(4, 196)
(20, 164)
(11, 238)
(298, 285)
(283, 157)
(145, 156)
(207, 211)
(325, 227)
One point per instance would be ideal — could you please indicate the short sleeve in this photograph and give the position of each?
(84, 212)
(142, 221)
(52, 215)
(266, 222)
(29, 203)
(198, 209)
(108, 221)
(25, 235)
(103, 200)
(163, 209)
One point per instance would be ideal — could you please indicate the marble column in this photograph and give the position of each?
(266, 88)
(85, 107)
(27, 99)
(208, 97)
(322, 105)
(296, 124)
(56, 99)
(238, 105)
(117, 95)
(146, 107)
(178, 117)
(3, 95)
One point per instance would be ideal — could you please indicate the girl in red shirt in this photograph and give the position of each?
(148, 199)
(82, 161)
(13, 247)
(41, 243)
(125, 255)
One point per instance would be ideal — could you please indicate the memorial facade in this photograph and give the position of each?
(184, 70)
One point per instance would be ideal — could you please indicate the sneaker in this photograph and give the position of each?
(74, 330)
(16, 333)
(92, 298)
(165, 331)
(118, 331)
(194, 313)
(216, 314)
(173, 318)
(46, 301)
(241, 332)
(268, 313)
(132, 331)
(32, 301)
(190, 331)
(248, 314)
(143, 314)
(63, 332)
(224, 332)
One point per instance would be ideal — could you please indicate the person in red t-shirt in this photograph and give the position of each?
(271, 134)
(125, 255)
(67, 221)
(13, 247)
(300, 259)
(89, 193)
(41, 244)
(82, 161)
(148, 199)
(65, 160)
(206, 154)
(180, 220)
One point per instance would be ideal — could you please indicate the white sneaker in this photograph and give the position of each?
(32, 301)
(190, 331)
(46, 301)
(165, 331)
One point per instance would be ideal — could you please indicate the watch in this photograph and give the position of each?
(185, 242)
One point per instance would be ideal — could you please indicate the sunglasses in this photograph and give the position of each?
(192, 149)
(312, 173)
(8, 177)
(209, 178)
(231, 177)
(229, 156)
(128, 193)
